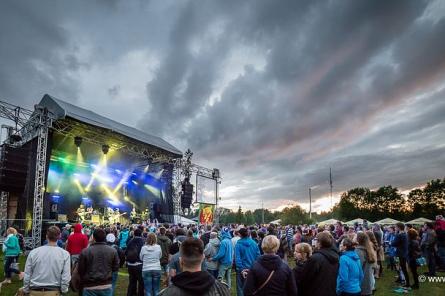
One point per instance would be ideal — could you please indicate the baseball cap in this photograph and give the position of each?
(110, 238)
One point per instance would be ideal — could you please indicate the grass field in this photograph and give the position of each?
(385, 285)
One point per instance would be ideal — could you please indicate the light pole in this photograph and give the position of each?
(310, 202)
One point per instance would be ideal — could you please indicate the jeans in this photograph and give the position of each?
(413, 268)
(8, 270)
(350, 294)
(152, 280)
(441, 255)
(224, 274)
(431, 262)
(104, 292)
(214, 273)
(135, 281)
(239, 283)
(113, 281)
(404, 269)
(46, 293)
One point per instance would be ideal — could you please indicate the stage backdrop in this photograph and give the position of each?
(206, 212)
(86, 176)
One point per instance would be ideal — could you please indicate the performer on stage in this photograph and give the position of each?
(81, 213)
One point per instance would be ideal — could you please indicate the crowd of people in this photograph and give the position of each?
(199, 260)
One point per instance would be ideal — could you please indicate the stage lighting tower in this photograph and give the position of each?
(105, 149)
(78, 141)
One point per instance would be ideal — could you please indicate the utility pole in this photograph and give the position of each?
(262, 214)
(310, 203)
(330, 183)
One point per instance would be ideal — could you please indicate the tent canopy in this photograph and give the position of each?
(419, 221)
(183, 220)
(358, 220)
(387, 221)
(328, 222)
(276, 221)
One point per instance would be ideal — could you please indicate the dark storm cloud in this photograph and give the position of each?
(271, 92)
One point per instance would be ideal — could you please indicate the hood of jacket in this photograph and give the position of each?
(163, 238)
(215, 242)
(270, 262)
(330, 254)
(78, 228)
(225, 235)
(194, 282)
(351, 254)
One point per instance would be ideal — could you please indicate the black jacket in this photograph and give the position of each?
(195, 283)
(414, 251)
(133, 249)
(320, 273)
(96, 265)
(281, 283)
(298, 275)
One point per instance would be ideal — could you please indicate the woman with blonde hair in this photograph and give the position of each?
(269, 274)
(368, 260)
(150, 256)
(11, 251)
(302, 254)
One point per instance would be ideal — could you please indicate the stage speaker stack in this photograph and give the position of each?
(13, 168)
(187, 195)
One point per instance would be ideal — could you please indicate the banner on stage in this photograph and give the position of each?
(206, 212)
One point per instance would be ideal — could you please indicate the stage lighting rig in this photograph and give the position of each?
(105, 149)
(78, 141)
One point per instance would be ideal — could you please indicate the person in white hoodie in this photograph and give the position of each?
(210, 251)
(150, 256)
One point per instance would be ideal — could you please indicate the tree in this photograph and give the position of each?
(429, 201)
(294, 215)
(239, 216)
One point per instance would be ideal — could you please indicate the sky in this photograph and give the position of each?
(273, 93)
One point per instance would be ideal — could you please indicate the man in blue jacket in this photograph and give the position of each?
(246, 253)
(225, 257)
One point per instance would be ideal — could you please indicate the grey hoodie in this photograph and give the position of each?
(210, 251)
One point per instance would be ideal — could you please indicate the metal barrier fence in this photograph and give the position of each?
(23, 226)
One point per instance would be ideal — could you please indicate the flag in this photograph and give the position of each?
(206, 213)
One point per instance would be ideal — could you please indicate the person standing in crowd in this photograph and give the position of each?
(440, 232)
(392, 251)
(350, 273)
(65, 233)
(150, 256)
(401, 244)
(111, 241)
(206, 236)
(134, 264)
(269, 275)
(165, 244)
(76, 243)
(428, 245)
(320, 272)
(11, 251)
(302, 254)
(47, 268)
(246, 252)
(290, 238)
(414, 253)
(192, 280)
(368, 259)
(225, 258)
(123, 238)
(210, 251)
(96, 266)
(378, 234)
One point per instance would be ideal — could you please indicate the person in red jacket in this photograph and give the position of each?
(76, 243)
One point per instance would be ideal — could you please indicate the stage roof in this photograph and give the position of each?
(62, 109)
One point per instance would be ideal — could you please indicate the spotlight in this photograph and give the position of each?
(105, 149)
(78, 141)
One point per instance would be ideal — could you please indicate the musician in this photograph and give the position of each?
(81, 213)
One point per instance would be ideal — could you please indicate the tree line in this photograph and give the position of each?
(360, 202)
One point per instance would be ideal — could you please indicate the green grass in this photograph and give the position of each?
(385, 285)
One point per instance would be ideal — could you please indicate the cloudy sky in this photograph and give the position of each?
(271, 92)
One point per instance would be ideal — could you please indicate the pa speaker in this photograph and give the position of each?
(14, 164)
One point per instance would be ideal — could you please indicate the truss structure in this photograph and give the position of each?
(3, 211)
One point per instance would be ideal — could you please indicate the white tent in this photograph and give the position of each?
(328, 222)
(358, 220)
(387, 221)
(276, 221)
(183, 220)
(419, 221)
